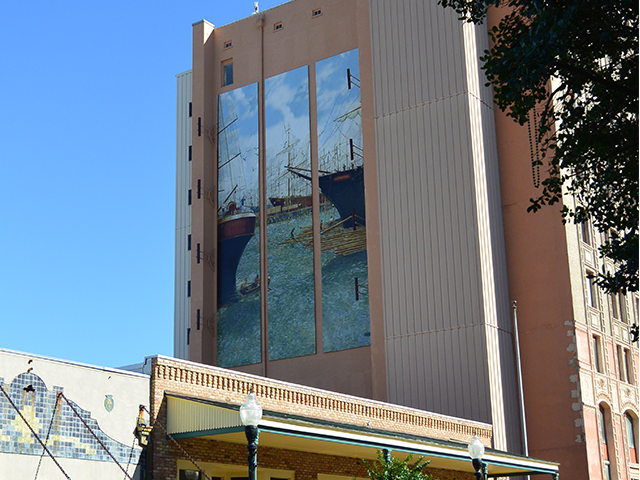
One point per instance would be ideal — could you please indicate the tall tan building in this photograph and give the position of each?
(579, 364)
(351, 215)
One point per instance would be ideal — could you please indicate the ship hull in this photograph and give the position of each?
(234, 233)
(346, 191)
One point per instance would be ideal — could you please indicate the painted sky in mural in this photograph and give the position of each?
(339, 113)
(238, 120)
(290, 264)
(345, 303)
(238, 233)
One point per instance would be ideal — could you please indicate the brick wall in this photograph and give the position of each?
(307, 466)
(186, 378)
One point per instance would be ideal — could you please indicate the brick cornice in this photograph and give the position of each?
(231, 387)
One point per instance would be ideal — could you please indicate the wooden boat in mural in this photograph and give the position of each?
(298, 201)
(235, 229)
(345, 190)
(249, 288)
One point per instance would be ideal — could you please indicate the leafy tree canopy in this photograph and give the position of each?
(575, 64)
(391, 468)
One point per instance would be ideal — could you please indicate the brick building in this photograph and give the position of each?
(305, 433)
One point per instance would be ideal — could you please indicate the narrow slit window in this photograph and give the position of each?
(227, 72)
(631, 438)
(628, 367)
(586, 232)
(621, 366)
(605, 443)
(592, 290)
(622, 307)
(597, 359)
(615, 311)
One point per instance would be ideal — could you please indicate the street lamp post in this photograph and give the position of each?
(250, 415)
(476, 452)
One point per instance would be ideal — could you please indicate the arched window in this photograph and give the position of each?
(631, 437)
(604, 438)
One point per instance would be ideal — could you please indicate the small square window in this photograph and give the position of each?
(316, 13)
(228, 44)
(227, 72)
(277, 26)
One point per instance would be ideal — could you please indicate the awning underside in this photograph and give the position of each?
(197, 418)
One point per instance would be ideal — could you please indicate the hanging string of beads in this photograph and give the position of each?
(534, 150)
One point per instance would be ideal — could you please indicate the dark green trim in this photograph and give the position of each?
(382, 446)
(520, 474)
(541, 471)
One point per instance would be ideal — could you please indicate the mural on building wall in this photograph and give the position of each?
(63, 432)
(290, 303)
(345, 301)
(289, 261)
(238, 263)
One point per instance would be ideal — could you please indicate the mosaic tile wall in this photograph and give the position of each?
(57, 425)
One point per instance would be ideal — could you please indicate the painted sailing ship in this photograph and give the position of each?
(286, 193)
(345, 190)
(341, 170)
(236, 225)
(235, 229)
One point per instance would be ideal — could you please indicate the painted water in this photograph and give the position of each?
(291, 300)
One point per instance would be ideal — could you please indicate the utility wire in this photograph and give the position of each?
(94, 435)
(53, 416)
(33, 432)
(184, 452)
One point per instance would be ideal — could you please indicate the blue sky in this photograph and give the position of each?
(87, 182)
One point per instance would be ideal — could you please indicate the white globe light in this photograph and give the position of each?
(476, 448)
(250, 411)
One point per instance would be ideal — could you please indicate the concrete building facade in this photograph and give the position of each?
(84, 415)
(448, 242)
(416, 305)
